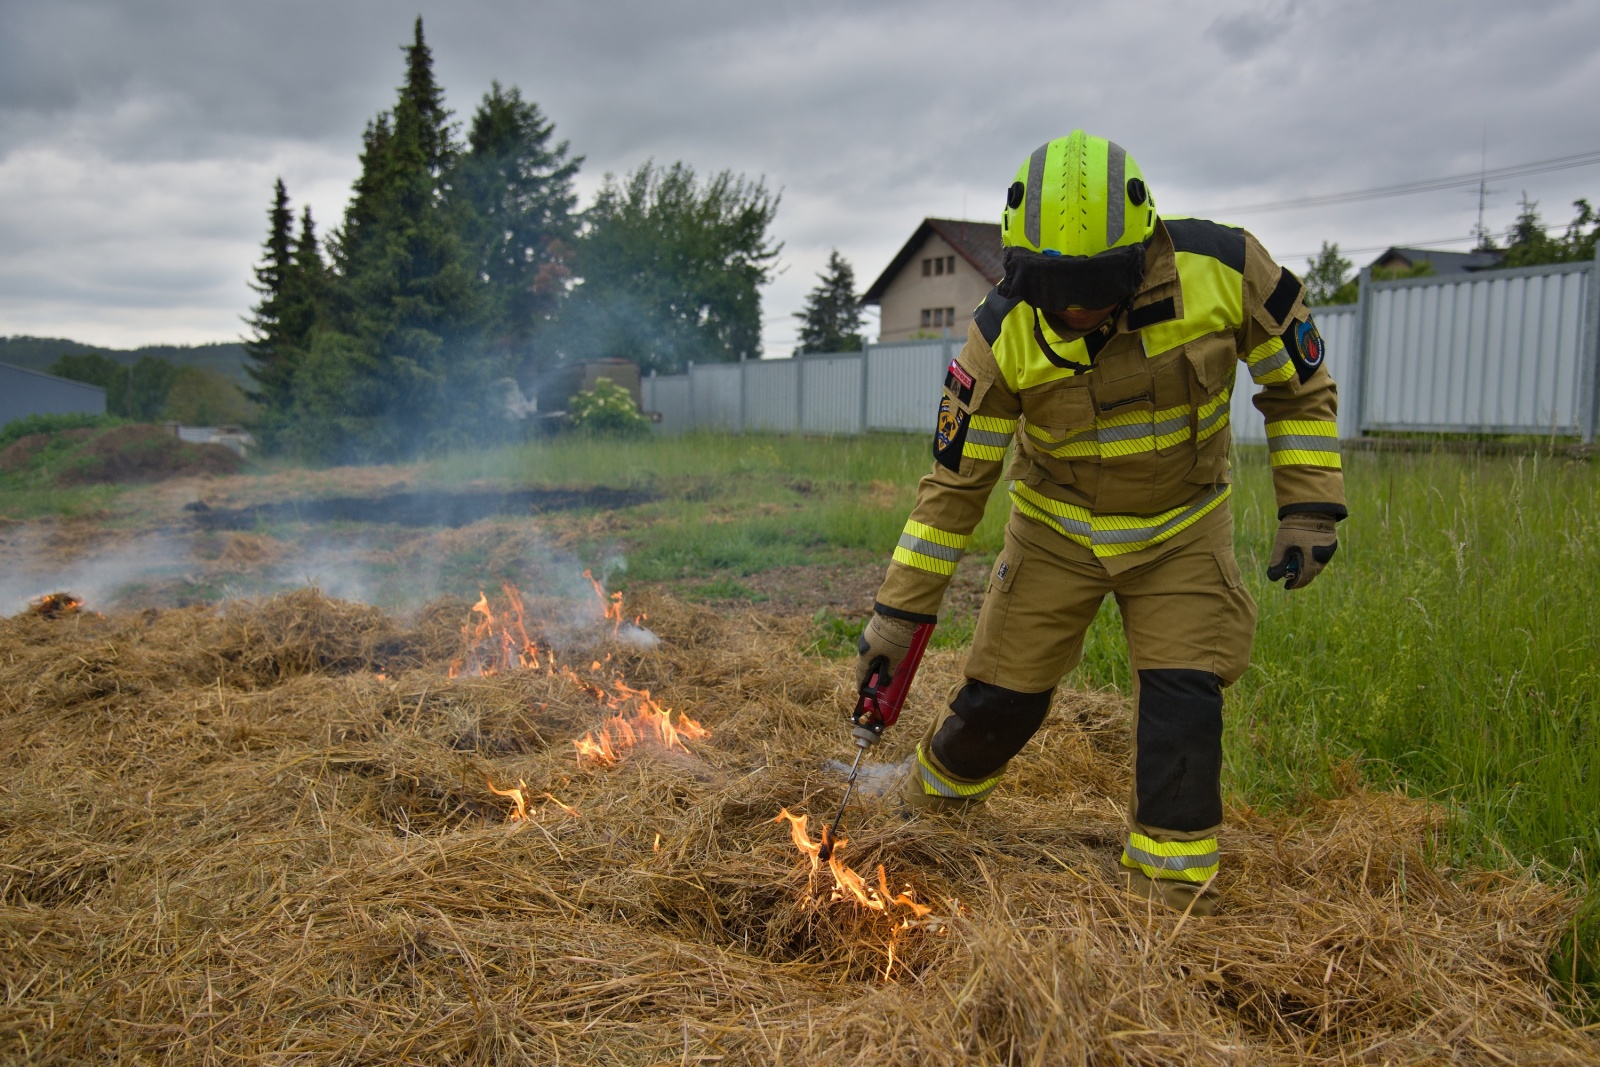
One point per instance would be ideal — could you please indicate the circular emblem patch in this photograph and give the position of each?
(1310, 343)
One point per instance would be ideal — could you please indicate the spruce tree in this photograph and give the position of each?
(519, 188)
(398, 366)
(831, 321)
(266, 348)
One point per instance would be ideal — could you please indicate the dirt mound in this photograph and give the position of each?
(228, 836)
(20, 454)
(143, 454)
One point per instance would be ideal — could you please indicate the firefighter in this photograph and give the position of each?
(1107, 355)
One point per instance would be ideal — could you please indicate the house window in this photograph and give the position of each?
(938, 265)
(949, 316)
(927, 267)
(927, 313)
(949, 264)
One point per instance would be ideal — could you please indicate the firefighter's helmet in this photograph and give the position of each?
(1075, 224)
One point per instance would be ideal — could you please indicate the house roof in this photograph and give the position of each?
(977, 242)
(1443, 262)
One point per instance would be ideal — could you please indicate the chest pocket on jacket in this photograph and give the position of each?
(1213, 362)
(1059, 424)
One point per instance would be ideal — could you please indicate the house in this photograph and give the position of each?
(937, 280)
(1403, 259)
(25, 392)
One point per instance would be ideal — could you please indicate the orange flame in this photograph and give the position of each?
(55, 605)
(612, 605)
(847, 884)
(637, 717)
(519, 803)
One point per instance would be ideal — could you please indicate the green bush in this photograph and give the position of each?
(606, 410)
(29, 425)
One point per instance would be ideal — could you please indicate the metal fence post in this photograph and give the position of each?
(694, 416)
(866, 382)
(799, 394)
(1589, 373)
(1361, 352)
(744, 387)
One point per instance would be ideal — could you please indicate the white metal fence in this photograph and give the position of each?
(1493, 352)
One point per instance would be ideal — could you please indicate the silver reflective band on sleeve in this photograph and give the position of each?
(1291, 442)
(913, 543)
(1116, 170)
(988, 437)
(1034, 194)
(1266, 366)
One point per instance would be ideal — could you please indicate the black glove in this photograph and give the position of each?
(886, 639)
(1305, 543)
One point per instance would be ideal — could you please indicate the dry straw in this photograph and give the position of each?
(226, 838)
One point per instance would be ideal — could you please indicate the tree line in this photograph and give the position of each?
(1330, 277)
(462, 265)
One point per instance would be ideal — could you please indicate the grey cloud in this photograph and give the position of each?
(867, 116)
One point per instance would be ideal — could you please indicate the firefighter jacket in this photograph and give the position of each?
(1122, 433)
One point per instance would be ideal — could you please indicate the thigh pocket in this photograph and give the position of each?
(1228, 564)
(1005, 570)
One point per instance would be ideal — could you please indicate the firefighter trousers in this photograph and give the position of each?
(1189, 623)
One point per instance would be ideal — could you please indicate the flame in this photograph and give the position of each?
(570, 811)
(612, 605)
(519, 803)
(847, 884)
(55, 605)
(850, 886)
(492, 643)
(635, 717)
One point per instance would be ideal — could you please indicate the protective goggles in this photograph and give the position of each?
(1056, 282)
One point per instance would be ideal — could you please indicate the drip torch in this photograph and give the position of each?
(877, 708)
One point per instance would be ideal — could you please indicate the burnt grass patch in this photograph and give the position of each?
(417, 508)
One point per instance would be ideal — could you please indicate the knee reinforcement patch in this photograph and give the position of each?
(988, 725)
(1179, 768)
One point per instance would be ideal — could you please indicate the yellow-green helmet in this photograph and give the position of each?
(1077, 196)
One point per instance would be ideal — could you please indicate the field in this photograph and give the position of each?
(246, 822)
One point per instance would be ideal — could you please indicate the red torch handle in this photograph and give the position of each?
(877, 709)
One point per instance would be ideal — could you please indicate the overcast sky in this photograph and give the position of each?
(139, 138)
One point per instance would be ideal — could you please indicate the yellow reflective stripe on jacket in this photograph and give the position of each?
(987, 437)
(1112, 535)
(1127, 434)
(935, 784)
(1178, 861)
(1269, 362)
(928, 548)
(1214, 414)
(1306, 442)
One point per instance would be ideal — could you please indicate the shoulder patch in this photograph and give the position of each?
(1284, 294)
(950, 435)
(1207, 238)
(1305, 347)
(992, 313)
(958, 382)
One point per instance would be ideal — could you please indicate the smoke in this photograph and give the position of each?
(396, 568)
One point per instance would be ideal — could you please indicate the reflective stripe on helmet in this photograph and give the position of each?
(1033, 192)
(1116, 194)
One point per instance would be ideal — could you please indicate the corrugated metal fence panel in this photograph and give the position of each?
(1496, 352)
(716, 391)
(772, 395)
(1337, 324)
(830, 394)
(670, 397)
(904, 382)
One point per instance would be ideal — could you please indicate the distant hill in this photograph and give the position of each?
(37, 353)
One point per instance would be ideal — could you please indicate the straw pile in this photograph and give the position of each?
(225, 837)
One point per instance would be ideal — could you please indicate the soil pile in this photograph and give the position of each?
(139, 453)
(266, 833)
